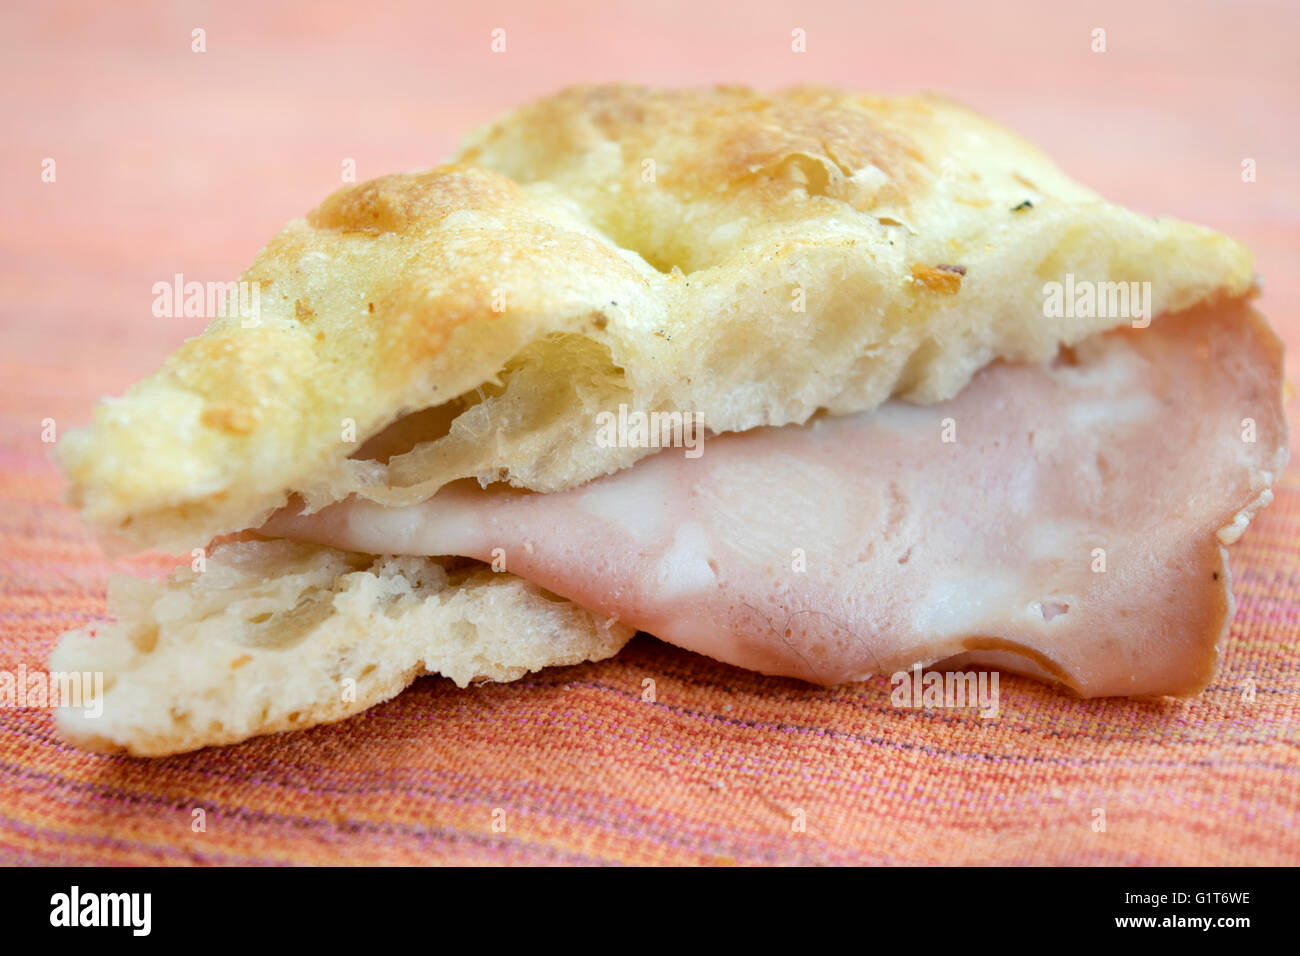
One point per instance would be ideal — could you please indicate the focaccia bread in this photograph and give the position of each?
(748, 257)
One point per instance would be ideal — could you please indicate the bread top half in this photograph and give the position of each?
(751, 258)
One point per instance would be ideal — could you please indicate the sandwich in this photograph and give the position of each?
(818, 384)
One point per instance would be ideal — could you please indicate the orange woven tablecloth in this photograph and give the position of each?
(169, 160)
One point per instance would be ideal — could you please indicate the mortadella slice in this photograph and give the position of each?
(1065, 520)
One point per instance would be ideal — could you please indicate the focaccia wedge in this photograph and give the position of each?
(750, 258)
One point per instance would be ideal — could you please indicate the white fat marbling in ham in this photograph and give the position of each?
(1068, 531)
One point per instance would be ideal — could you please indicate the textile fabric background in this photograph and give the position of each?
(174, 161)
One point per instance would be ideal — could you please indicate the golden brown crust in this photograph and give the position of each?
(735, 154)
(621, 244)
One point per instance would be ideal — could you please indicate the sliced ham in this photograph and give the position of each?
(1064, 520)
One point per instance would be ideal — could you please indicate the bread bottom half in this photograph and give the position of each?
(279, 635)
